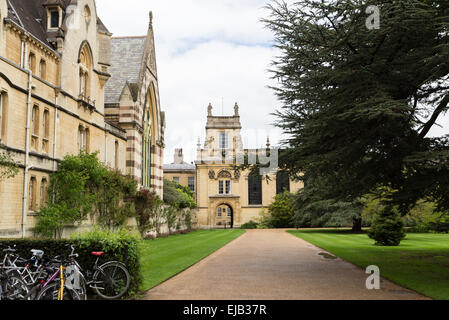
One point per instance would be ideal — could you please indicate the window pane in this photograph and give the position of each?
(219, 212)
(220, 187)
(255, 189)
(176, 179)
(54, 19)
(223, 141)
(192, 183)
(1, 115)
(228, 187)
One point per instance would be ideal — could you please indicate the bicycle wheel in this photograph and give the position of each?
(111, 280)
(51, 293)
(15, 289)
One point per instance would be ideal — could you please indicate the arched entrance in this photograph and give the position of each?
(224, 216)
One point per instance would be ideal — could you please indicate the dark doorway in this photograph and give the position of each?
(224, 216)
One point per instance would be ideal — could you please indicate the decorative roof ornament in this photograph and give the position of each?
(151, 19)
(236, 110)
(209, 110)
(268, 142)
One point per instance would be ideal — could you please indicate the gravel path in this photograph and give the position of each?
(274, 265)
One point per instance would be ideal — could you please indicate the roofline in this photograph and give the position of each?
(33, 36)
(129, 37)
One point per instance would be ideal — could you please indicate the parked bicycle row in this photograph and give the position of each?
(60, 277)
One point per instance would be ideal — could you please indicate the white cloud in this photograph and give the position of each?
(207, 51)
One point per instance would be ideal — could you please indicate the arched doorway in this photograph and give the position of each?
(224, 216)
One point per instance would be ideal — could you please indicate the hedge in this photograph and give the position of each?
(117, 246)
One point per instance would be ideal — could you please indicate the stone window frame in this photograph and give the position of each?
(176, 179)
(116, 155)
(32, 62)
(43, 191)
(50, 11)
(83, 138)
(224, 187)
(219, 213)
(3, 114)
(32, 194)
(43, 69)
(35, 126)
(191, 183)
(46, 130)
(223, 144)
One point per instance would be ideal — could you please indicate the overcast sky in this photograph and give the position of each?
(213, 51)
(207, 52)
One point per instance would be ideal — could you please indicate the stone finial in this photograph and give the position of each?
(198, 144)
(268, 143)
(236, 110)
(209, 110)
(151, 19)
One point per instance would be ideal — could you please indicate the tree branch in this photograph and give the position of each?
(428, 125)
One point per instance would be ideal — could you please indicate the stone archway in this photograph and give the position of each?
(224, 216)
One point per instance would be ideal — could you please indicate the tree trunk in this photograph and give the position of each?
(357, 225)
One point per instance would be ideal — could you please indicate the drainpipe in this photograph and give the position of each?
(27, 155)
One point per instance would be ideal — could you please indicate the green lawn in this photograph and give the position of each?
(163, 258)
(420, 262)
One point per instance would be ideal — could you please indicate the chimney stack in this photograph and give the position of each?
(179, 158)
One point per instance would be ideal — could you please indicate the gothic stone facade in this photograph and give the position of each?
(55, 61)
(228, 197)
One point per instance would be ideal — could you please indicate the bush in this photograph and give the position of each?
(249, 225)
(121, 246)
(387, 228)
(282, 211)
(178, 195)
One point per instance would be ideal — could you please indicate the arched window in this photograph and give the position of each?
(146, 147)
(282, 182)
(82, 139)
(85, 66)
(3, 110)
(46, 130)
(43, 192)
(116, 165)
(35, 127)
(32, 62)
(254, 189)
(32, 194)
(43, 70)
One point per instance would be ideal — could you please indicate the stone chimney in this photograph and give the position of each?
(179, 157)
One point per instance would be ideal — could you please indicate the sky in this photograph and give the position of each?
(207, 51)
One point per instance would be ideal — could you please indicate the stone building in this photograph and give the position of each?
(132, 103)
(55, 60)
(181, 171)
(225, 196)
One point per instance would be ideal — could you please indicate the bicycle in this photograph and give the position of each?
(57, 287)
(110, 280)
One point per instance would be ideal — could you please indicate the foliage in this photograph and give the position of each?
(387, 228)
(114, 207)
(188, 219)
(147, 205)
(356, 118)
(119, 245)
(249, 225)
(83, 186)
(8, 167)
(282, 211)
(171, 215)
(178, 195)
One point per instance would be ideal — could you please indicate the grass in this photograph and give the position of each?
(420, 262)
(163, 258)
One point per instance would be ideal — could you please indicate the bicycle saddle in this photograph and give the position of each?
(37, 253)
(98, 254)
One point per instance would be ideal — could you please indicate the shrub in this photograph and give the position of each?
(282, 211)
(387, 228)
(178, 195)
(121, 246)
(249, 225)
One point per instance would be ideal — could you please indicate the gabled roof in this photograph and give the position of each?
(126, 61)
(32, 16)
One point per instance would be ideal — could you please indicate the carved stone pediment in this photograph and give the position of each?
(224, 174)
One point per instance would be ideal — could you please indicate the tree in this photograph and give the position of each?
(178, 195)
(358, 104)
(387, 228)
(282, 211)
(82, 187)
